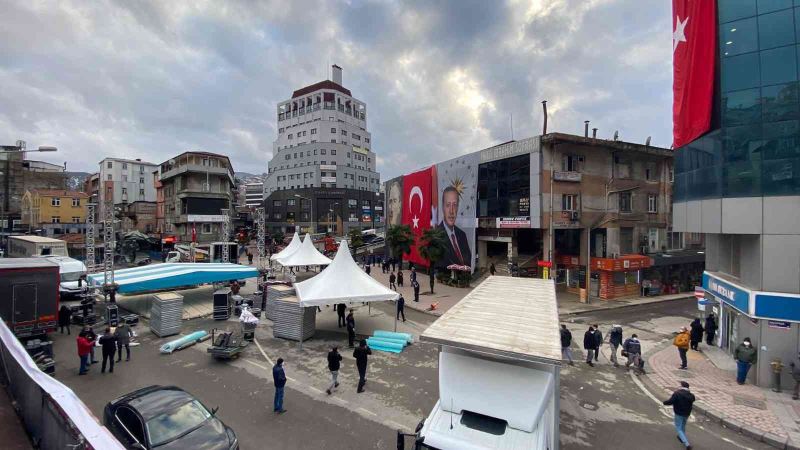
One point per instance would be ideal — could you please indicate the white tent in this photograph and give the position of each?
(343, 281)
(305, 255)
(293, 245)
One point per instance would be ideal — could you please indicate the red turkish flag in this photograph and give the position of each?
(694, 47)
(194, 233)
(417, 191)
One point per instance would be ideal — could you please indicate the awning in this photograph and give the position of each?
(173, 275)
(678, 257)
(341, 282)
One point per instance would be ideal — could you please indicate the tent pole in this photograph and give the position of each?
(395, 318)
(302, 318)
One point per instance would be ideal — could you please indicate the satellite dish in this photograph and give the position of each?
(616, 135)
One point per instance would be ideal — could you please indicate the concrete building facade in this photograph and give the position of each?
(122, 181)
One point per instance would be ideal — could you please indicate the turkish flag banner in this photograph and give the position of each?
(417, 191)
(194, 233)
(693, 64)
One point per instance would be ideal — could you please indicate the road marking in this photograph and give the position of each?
(724, 438)
(314, 389)
(262, 351)
(367, 411)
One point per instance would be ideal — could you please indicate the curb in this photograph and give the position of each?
(720, 418)
(623, 306)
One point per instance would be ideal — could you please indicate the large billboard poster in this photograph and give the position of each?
(394, 202)
(457, 192)
(419, 206)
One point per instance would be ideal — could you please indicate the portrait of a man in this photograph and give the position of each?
(394, 203)
(458, 251)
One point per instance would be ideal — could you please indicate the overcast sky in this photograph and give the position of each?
(150, 80)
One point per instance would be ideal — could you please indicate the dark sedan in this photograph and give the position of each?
(166, 418)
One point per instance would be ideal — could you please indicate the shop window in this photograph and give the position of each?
(206, 228)
(569, 202)
(625, 240)
(625, 201)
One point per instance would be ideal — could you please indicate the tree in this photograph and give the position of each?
(433, 247)
(356, 238)
(277, 237)
(400, 239)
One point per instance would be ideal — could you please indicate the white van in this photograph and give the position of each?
(70, 271)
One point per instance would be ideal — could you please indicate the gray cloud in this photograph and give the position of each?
(153, 79)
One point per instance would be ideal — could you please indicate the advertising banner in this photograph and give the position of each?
(394, 202)
(457, 191)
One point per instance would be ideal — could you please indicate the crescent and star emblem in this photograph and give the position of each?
(415, 191)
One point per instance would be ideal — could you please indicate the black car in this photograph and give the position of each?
(166, 418)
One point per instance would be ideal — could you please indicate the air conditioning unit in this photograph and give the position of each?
(575, 215)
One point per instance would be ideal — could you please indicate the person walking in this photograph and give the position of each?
(394, 264)
(598, 336)
(249, 258)
(279, 378)
(415, 285)
(401, 304)
(351, 328)
(696, 334)
(84, 350)
(108, 342)
(334, 362)
(361, 354)
(399, 278)
(681, 402)
(492, 269)
(711, 329)
(123, 334)
(566, 342)
(340, 310)
(745, 355)
(632, 348)
(615, 341)
(682, 342)
(64, 318)
(590, 345)
(89, 334)
(392, 279)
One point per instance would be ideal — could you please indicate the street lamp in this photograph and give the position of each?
(18, 147)
(313, 230)
(330, 216)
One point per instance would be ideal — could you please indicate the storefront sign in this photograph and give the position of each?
(544, 263)
(566, 176)
(781, 325)
(524, 205)
(205, 218)
(513, 222)
(510, 150)
(737, 297)
(628, 262)
(567, 260)
(328, 179)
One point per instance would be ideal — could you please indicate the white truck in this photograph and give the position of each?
(70, 271)
(30, 246)
(499, 365)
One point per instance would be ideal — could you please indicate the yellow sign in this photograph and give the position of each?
(545, 273)
(358, 149)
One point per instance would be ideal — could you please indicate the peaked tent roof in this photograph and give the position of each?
(305, 255)
(293, 245)
(342, 281)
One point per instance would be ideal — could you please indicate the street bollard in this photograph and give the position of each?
(777, 367)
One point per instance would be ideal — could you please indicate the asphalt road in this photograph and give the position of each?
(601, 407)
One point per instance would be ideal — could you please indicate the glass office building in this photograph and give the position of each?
(740, 183)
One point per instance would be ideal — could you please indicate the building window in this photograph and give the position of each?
(55, 201)
(280, 130)
(206, 228)
(76, 202)
(650, 172)
(288, 157)
(277, 204)
(571, 163)
(290, 202)
(366, 140)
(352, 202)
(313, 131)
(124, 191)
(652, 203)
(322, 152)
(55, 219)
(141, 192)
(109, 165)
(141, 180)
(109, 177)
(622, 167)
(333, 141)
(333, 130)
(625, 201)
(76, 219)
(569, 202)
(290, 136)
(124, 166)
(333, 151)
(344, 133)
(125, 178)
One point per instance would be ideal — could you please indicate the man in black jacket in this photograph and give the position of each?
(340, 310)
(360, 354)
(590, 345)
(351, 328)
(566, 342)
(615, 340)
(401, 306)
(598, 337)
(681, 402)
(334, 361)
(109, 343)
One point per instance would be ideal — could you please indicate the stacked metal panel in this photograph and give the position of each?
(276, 292)
(289, 319)
(166, 314)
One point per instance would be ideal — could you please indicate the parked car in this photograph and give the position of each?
(166, 418)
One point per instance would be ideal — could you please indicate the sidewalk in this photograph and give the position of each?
(570, 303)
(756, 412)
(444, 296)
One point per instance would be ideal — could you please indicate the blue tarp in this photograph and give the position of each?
(172, 275)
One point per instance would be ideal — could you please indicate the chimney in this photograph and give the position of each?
(336, 74)
(544, 126)
(586, 128)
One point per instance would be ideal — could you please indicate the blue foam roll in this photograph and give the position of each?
(388, 340)
(385, 344)
(390, 334)
(171, 346)
(384, 349)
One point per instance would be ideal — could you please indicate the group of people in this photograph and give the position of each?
(334, 360)
(593, 341)
(396, 281)
(111, 343)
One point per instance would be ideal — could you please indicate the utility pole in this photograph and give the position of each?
(225, 234)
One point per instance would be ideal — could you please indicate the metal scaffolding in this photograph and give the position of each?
(225, 234)
(108, 246)
(261, 238)
(90, 235)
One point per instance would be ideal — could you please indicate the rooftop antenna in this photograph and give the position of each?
(451, 413)
(512, 125)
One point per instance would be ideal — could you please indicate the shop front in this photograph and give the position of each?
(673, 272)
(771, 320)
(618, 277)
(570, 274)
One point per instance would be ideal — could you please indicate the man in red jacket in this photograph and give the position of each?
(84, 350)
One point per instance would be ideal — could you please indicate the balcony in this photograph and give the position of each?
(197, 168)
(327, 167)
(567, 176)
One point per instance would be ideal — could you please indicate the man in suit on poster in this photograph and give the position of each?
(458, 251)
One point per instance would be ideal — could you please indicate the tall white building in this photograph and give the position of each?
(322, 141)
(125, 181)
